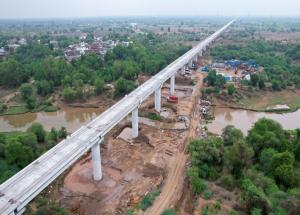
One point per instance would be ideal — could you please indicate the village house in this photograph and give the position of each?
(2, 52)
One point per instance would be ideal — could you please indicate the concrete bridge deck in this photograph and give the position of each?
(20, 189)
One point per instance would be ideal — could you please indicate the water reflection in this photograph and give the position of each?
(71, 118)
(244, 119)
(17, 121)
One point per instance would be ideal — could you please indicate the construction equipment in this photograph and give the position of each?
(172, 99)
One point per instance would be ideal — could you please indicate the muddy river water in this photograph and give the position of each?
(71, 118)
(244, 119)
(74, 118)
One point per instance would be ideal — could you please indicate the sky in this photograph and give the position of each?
(18, 9)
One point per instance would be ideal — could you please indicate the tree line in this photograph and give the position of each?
(18, 149)
(262, 166)
(87, 76)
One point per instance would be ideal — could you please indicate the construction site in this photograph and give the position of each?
(132, 168)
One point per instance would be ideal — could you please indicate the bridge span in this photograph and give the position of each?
(20, 189)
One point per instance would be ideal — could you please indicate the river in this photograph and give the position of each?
(71, 118)
(244, 119)
(74, 118)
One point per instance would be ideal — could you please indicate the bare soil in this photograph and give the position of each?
(92, 102)
(261, 100)
(173, 186)
(228, 200)
(131, 170)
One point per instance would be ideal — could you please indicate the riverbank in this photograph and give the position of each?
(22, 109)
(264, 101)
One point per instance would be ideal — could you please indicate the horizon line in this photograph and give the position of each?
(147, 16)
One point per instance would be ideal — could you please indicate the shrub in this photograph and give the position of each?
(265, 159)
(231, 135)
(52, 135)
(231, 89)
(285, 175)
(50, 108)
(255, 211)
(62, 133)
(69, 94)
(282, 158)
(154, 116)
(295, 192)
(253, 196)
(130, 211)
(148, 200)
(227, 182)
(169, 212)
(99, 86)
(26, 91)
(38, 130)
(18, 154)
(207, 194)
(198, 185)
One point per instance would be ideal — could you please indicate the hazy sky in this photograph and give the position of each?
(92, 8)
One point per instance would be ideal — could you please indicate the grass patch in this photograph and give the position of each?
(169, 212)
(130, 211)
(154, 116)
(148, 200)
(50, 108)
(261, 100)
(15, 110)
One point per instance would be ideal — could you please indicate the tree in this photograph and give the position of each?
(285, 175)
(267, 133)
(275, 85)
(31, 102)
(207, 151)
(210, 79)
(69, 94)
(265, 160)
(16, 153)
(26, 91)
(198, 185)
(28, 139)
(44, 87)
(123, 86)
(231, 135)
(252, 196)
(62, 133)
(231, 89)
(282, 168)
(12, 73)
(238, 157)
(38, 130)
(99, 86)
(278, 159)
(52, 135)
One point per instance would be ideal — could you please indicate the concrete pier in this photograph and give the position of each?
(172, 85)
(158, 99)
(96, 159)
(135, 123)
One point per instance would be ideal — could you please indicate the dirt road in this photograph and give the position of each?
(174, 179)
